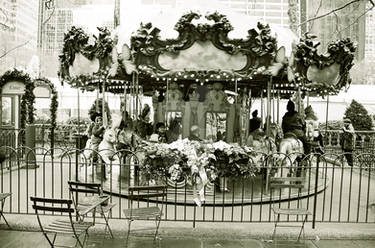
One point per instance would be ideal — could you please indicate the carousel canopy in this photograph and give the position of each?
(198, 48)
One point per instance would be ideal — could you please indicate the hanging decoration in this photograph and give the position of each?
(86, 58)
(328, 73)
(259, 47)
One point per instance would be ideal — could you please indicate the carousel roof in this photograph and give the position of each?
(205, 48)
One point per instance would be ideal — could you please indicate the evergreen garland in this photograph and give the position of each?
(27, 99)
(54, 103)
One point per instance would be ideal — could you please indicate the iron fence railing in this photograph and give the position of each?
(364, 141)
(64, 135)
(333, 191)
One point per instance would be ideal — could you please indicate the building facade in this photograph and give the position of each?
(271, 11)
(18, 33)
(370, 35)
(347, 22)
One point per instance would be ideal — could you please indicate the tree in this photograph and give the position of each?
(359, 116)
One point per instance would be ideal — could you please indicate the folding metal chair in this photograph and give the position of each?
(282, 189)
(3, 197)
(151, 209)
(64, 227)
(83, 194)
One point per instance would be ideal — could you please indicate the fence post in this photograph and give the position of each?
(78, 144)
(30, 161)
(316, 189)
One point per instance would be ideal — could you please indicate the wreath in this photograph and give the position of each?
(341, 52)
(27, 99)
(77, 41)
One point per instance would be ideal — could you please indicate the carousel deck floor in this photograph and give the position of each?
(242, 191)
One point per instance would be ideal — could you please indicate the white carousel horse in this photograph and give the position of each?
(290, 148)
(107, 151)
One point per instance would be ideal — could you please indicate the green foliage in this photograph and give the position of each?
(332, 125)
(359, 116)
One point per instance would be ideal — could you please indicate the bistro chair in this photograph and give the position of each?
(282, 189)
(83, 194)
(154, 198)
(3, 197)
(59, 226)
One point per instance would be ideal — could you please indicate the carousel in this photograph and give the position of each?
(195, 136)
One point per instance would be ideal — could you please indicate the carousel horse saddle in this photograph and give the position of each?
(290, 135)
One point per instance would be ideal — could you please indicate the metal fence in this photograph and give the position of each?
(333, 191)
(364, 141)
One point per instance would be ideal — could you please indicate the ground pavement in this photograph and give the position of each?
(25, 233)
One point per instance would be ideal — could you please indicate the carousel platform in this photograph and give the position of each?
(236, 191)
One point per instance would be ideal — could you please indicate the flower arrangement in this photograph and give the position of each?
(184, 159)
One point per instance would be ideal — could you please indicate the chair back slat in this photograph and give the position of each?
(146, 196)
(53, 209)
(85, 190)
(50, 200)
(75, 183)
(64, 205)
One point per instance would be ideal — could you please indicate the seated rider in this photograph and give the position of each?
(160, 134)
(255, 122)
(294, 123)
(194, 133)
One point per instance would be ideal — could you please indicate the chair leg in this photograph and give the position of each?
(78, 240)
(6, 222)
(274, 230)
(302, 229)
(106, 224)
(129, 224)
(51, 242)
(157, 222)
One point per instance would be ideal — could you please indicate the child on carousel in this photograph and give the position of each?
(97, 132)
(160, 134)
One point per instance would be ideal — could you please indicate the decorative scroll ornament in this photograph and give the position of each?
(259, 46)
(84, 55)
(325, 73)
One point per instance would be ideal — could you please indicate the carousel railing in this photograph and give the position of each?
(333, 192)
(364, 141)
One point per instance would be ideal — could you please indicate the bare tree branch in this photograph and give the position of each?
(316, 13)
(355, 21)
(331, 12)
(14, 48)
(49, 17)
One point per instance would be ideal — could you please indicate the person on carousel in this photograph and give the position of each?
(255, 122)
(143, 127)
(294, 123)
(97, 133)
(160, 134)
(194, 133)
(174, 131)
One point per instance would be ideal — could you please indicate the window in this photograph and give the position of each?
(7, 117)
